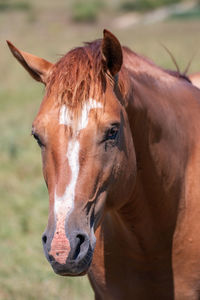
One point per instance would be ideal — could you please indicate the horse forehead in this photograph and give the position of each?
(50, 115)
(109, 109)
(67, 116)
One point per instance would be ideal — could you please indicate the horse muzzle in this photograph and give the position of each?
(70, 257)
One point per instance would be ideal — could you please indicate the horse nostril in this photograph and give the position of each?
(44, 238)
(80, 239)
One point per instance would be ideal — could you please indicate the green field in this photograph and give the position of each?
(47, 30)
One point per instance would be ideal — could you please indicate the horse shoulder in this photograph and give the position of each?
(186, 240)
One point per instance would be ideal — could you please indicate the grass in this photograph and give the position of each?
(145, 5)
(86, 11)
(188, 15)
(16, 5)
(24, 272)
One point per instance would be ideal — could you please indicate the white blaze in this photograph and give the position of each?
(65, 203)
(66, 117)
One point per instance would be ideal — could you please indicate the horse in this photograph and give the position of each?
(195, 79)
(120, 148)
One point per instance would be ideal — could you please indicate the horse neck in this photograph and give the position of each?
(150, 215)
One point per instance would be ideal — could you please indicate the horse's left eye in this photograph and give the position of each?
(112, 133)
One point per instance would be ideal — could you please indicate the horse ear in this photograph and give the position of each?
(37, 67)
(111, 53)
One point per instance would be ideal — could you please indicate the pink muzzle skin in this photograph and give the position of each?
(60, 245)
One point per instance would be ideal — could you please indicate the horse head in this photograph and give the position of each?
(86, 144)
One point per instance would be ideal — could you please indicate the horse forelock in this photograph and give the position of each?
(77, 77)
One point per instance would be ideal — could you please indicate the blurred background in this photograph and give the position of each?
(49, 29)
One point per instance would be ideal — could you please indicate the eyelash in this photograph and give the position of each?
(111, 133)
(37, 138)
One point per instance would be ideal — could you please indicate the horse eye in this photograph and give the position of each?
(111, 134)
(37, 138)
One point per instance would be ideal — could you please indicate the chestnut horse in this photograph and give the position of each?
(120, 143)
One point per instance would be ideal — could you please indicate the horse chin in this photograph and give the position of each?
(72, 272)
(72, 275)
